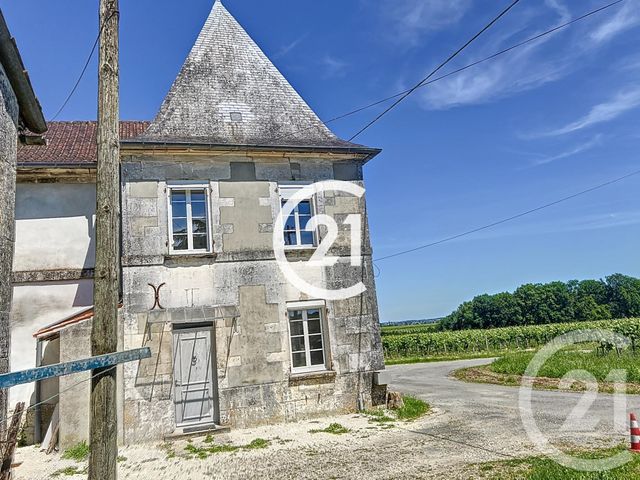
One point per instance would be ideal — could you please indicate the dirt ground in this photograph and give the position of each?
(369, 450)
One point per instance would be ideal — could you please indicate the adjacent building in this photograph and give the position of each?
(19, 112)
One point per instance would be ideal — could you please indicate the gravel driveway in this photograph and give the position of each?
(470, 423)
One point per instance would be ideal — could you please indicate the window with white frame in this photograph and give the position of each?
(307, 340)
(295, 225)
(189, 219)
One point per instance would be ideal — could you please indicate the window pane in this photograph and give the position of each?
(178, 196)
(295, 314)
(304, 207)
(198, 209)
(304, 219)
(199, 242)
(290, 223)
(315, 313)
(313, 326)
(197, 195)
(317, 357)
(299, 360)
(306, 238)
(297, 328)
(297, 344)
(199, 226)
(178, 209)
(290, 238)
(180, 225)
(315, 342)
(180, 242)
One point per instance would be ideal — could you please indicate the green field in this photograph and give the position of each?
(430, 345)
(562, 362)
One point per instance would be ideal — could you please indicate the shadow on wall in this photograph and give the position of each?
(58, 201)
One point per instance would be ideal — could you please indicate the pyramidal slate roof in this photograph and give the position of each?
(229, 93)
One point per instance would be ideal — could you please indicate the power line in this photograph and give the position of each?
(473, 64)
(508, 219)
(84, 69)
(451, 57)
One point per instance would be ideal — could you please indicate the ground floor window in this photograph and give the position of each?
(307, 340)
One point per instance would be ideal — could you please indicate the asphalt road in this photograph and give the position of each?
(488, 416)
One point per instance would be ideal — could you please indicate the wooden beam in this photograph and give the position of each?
(67, 368)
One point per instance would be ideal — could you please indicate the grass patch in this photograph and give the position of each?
(257, 443)
(378, 416)
(204, 451)
(413, 408)
(509, 369)
(69, 471)
(121, 459)
(542, 468)
(334, 428)
(564, 361)
(79, 452)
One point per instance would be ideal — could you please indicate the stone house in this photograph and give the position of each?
(233, 341)
(19, 112)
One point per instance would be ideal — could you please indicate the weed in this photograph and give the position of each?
(208, 438)
(121, 458)
(412, 409)
(68, 471)
(79, 452)
(257, 443)
(334, 428)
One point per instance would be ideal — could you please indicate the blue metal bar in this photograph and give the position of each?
(67, 368)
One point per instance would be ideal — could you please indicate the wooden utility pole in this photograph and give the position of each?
(104, 423)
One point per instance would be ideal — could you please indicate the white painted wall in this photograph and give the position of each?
(54, 226)
(36, 305)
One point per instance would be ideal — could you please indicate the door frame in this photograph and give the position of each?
(177, 329)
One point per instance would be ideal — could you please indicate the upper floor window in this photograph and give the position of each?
(189, 219)
(295, 226)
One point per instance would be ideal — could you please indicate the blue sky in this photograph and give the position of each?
(543, 122)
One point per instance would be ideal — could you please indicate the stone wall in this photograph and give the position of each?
(254, 380)
(8, 147)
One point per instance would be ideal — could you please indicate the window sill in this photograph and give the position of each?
(312, 378)
(302, 253)
(191, 255)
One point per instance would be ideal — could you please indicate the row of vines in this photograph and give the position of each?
(407, 329)
(428, 344)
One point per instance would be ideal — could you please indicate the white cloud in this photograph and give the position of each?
(626, 17)
(285, 50)
(543, 61)
(583, 147)
(527, 68)
(411, 19)
(603, 112)
(334, 67)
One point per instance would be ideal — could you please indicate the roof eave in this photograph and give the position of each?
(30, 110)
(136, 145)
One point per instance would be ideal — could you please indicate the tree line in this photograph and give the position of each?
(617, 296)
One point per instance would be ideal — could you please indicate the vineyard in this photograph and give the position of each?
(398, 343)
(407, 329)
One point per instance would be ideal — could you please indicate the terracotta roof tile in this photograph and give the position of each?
(72, 143)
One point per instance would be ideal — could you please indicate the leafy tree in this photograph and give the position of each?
(618, 296)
